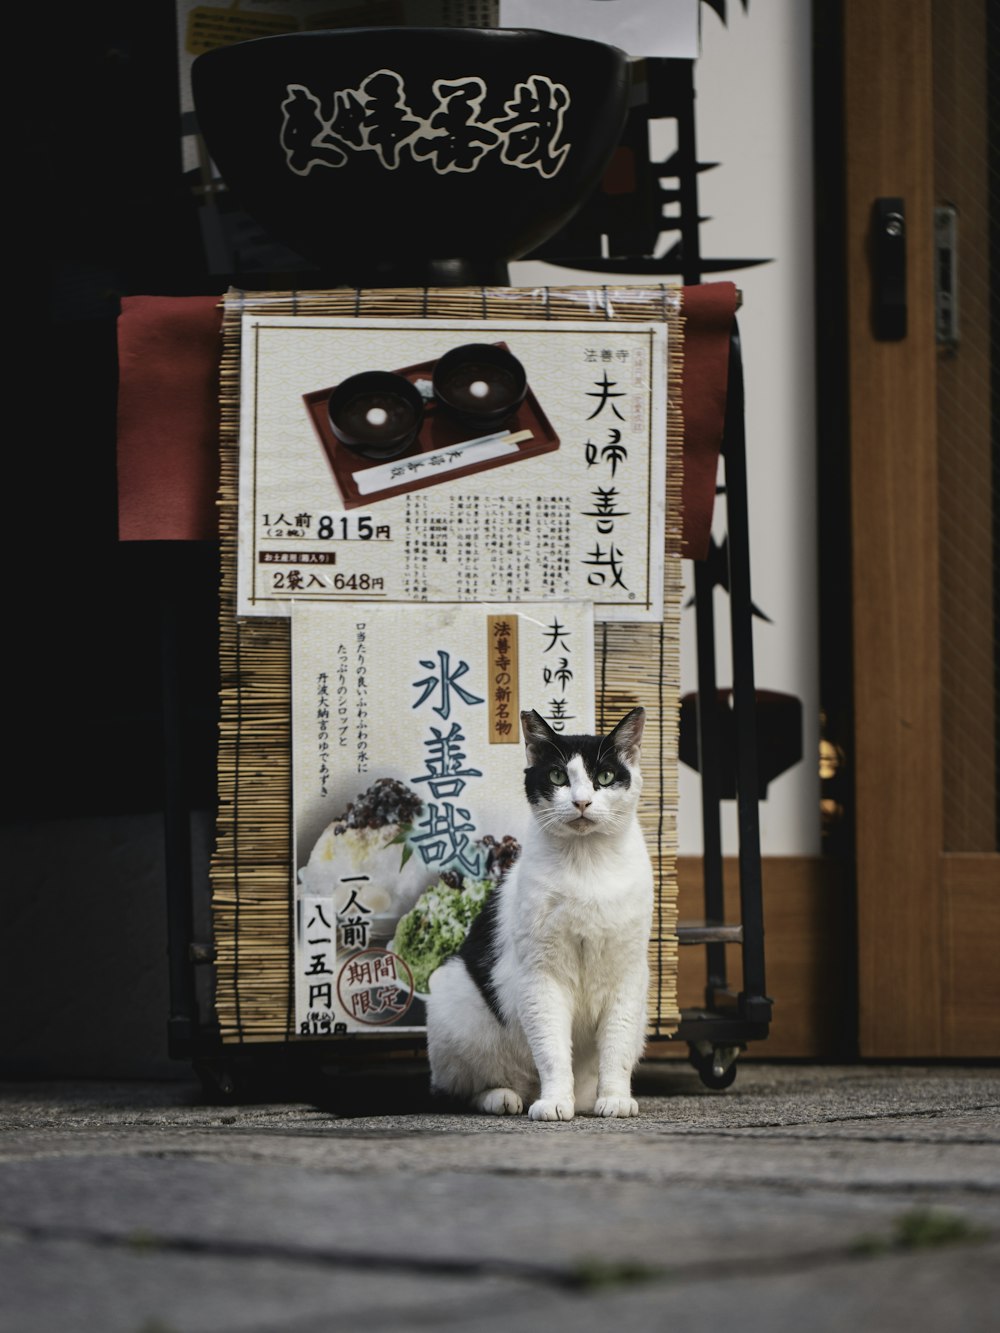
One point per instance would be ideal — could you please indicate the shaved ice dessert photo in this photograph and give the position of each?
(364, 852)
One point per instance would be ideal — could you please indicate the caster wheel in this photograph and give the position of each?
(716, 1081)
(713, 1077)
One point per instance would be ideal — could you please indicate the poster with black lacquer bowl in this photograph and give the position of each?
(415, 487)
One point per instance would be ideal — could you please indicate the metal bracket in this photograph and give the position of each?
(946, 276)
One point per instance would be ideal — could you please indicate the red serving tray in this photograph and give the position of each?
(438, 431)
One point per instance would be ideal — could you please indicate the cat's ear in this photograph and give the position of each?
(627, 736)
(538, 736)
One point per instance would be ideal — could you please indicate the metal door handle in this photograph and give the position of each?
(889, 269)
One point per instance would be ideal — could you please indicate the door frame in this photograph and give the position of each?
(928, 922)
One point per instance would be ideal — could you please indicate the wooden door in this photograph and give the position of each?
(924, 523)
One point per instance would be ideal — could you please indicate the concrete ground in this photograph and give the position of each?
(850, 1198)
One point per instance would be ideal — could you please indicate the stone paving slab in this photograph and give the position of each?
(477, 1219)
(76, 1287)
(139, 1208)
(597, 1150)
(763, 1097)
(901, 1294)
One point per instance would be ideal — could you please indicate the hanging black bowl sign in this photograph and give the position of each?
(398, 146)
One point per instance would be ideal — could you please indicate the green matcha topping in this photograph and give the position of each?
(436, 926)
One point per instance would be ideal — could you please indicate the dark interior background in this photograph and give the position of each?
(100, 211)
(112, 217)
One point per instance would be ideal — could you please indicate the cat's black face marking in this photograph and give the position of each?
(600, 758)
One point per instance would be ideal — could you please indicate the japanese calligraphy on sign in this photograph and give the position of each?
(324, 129)
(583, 520)
(504, 679)
(405, 809)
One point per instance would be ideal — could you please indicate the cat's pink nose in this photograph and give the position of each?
(581, 805)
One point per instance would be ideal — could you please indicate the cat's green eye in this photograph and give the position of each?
(558, 778)
(605, 777)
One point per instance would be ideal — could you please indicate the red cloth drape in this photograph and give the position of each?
(708, 314)
(168, 417)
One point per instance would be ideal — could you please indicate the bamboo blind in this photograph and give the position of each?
(251, 871)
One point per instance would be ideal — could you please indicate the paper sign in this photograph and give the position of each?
(639, 27)
(408, 767)
(564, 501)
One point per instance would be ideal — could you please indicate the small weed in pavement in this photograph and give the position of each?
(589, 1274)
(143, 1242)
(920, 1229)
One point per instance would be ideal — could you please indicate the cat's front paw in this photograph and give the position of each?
(620, 1107)
(547, 1108)
(499, 1101)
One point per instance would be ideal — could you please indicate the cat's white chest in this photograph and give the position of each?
(583, 919)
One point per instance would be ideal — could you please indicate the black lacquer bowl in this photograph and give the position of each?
(377, 414)
(390, 151)
(480, 384)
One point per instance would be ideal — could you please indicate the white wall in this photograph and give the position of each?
(754, 118)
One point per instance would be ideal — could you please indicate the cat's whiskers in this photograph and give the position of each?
(550, 818)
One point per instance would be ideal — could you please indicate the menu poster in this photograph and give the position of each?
(408, 787)
(564, 500)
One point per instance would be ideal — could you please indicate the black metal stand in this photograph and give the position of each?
(718, 1032)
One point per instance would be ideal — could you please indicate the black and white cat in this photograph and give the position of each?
(545, 1003)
